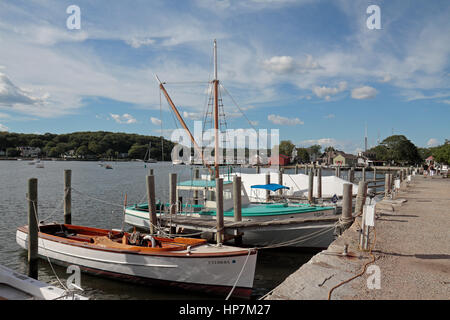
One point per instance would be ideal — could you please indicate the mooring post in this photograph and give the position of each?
(311, 187)
(237, 202)
(361, 197)
(280, 180)
(219, 210)
(237, 199)
(33, 228)
(351, 175)
(151, 203)
(67, 197)
(267, 182)
(363, 174)
(319, 183)
(196, 177)
(258, 170)
(296, 168)
(150, 172)
(387, 185)
(173, 192)
(347, 203)
(374, 174)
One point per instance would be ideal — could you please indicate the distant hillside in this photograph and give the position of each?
(99, 144)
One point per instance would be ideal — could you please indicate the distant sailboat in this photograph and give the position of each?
(147, 158)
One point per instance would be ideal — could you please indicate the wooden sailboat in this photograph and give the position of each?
(186, 263)
(136, 215)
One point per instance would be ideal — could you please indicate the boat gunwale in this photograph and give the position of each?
(139, 251)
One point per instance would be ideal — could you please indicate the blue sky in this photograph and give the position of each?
(310, 68)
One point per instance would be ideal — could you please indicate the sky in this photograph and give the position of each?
(313, 69)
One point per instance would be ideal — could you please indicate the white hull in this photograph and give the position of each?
(267, 235)
(213, 272)
(16, 286)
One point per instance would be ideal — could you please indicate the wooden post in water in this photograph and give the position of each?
(173, 192)
(387, 185)
(280, 180)
(363, 174)
(267, 182)
(319, 183)
(361, 197)
(351, 175)
(219, 210)
(311, 187)
(33, 228)
(237, 199)
(258, 170)
(347, 203)
(296, 168)
(374, 174)
(237, 208)
(67, 197)
(196, 177)
(151, 203)
(150, 172)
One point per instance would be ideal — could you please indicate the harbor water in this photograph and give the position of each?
(97, 199)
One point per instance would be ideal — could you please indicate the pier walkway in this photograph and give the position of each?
(411, 252)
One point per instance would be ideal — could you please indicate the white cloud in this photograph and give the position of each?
(155, 121)
(192, 115)
(432, 142)
(11, 95)
(446, 101)
(3, 127)
(137, 43)
(386, 78)
(123, 119)
(364, 92)
(327, 92)
(276, 119)
(330, 116)
(287, 64)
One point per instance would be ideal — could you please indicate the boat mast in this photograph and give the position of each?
(183, 124)
(216, 113)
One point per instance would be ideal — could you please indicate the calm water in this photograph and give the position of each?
(110, 186)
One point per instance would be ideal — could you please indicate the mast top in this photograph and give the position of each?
(215, 60)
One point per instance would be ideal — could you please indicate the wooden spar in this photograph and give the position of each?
(177, 114)
(216, 113)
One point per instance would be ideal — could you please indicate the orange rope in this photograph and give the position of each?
(361, 273)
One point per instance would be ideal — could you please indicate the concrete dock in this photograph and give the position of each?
(410, 257)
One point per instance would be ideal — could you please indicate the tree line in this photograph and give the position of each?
(100, 144)
(396, 149)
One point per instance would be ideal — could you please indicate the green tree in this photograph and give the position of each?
(397, 149)
(137, 151)
(303, 155)
(12, 152)
(286, 147)
(441, 154)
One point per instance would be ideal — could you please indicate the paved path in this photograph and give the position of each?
(412, 251)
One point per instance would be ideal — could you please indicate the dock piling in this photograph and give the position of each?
(67, 196)
(361, 197)
(267, 182)
(151, 203)
(173, 192)
(311, 187)
(280, 180)
(347, 203)
(33, 228)
(219, 211)
(237, 201)
(319, 183)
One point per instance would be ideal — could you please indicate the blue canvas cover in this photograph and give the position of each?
(270, 186)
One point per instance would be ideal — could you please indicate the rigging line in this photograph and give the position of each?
(186, 82)
(43, 245)
(235, 103)
(161, 125)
